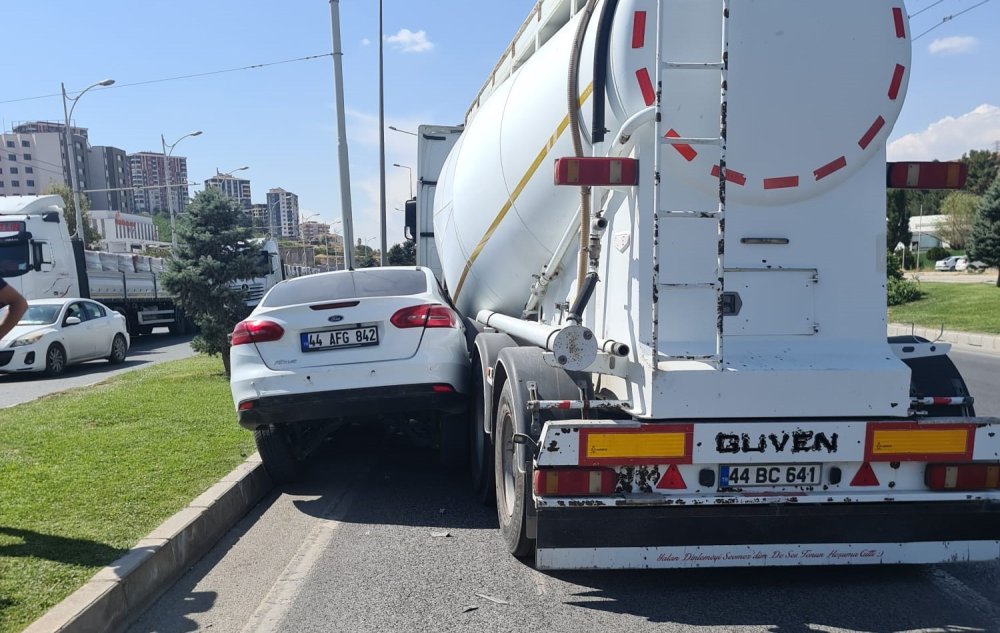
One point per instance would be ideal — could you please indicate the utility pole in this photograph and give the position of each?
(381, 138)
(347, 221)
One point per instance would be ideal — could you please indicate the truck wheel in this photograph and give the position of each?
(481, 448)
(453, 440)
(55, 360)
(511, 484)
(279, 457)
(118, 350)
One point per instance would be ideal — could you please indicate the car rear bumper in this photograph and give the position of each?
(346, 403)
(763, 535)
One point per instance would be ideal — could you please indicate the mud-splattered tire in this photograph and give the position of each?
(511, 484)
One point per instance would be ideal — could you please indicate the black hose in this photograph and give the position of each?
(583, 297)
(601, 54)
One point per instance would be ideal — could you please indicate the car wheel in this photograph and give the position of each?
(481, 449)
(453, 440)
(279, 456)
(55, 360)
(511, 484)
(118, 350)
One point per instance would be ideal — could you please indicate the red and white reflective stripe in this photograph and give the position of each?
(829, 168)
(683, 149)
(939, 401)
(639, 29)
(872, 132)
(783, 182)
(897, 81)
(897, 19)
(646, 86)
(732, 176)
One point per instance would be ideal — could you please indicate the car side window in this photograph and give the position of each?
(94, 311)
(76, 310)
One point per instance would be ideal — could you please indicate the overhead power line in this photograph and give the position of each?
(179, 77)
(933, 4)
(949, 18)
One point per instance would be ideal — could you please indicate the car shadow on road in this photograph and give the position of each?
(76, 371)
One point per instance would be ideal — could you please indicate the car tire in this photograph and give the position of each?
(279, 456)
(119, 349)
(511, 484)
(481, 448)
(55, 360)
(453, 440)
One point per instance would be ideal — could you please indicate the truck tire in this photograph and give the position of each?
(453, 440)
(119, 348)
(55, 360)
(279, 456)
(511, 483)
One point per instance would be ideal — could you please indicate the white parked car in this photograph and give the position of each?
(948, 263)
(363, 345)
(55, 333)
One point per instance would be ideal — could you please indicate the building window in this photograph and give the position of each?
(13, 170)
(25, 144)
(11, 156)
(29, 170)
(10, 143)
(15, 183)
(26, 156)
(1, 184)
(31, 183)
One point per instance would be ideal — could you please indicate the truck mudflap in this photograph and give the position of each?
(625, 495)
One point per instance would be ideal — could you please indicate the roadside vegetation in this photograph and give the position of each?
(963, 307)
(87, 473)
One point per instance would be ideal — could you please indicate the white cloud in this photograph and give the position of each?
(954, 45)
(950, 137)
(366, 42)
(410, 42)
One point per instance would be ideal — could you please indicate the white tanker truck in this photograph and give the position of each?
(701, 375)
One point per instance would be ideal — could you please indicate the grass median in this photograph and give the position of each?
(86, 473)
(963, 307)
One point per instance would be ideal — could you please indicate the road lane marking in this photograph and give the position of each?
(964, 593)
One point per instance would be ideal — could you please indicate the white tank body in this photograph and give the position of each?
(497, 214)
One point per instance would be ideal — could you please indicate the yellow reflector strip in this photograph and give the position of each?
(637, 445)
(993, 476)
(920, 442)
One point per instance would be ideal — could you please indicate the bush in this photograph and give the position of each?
(893, 265)
(936, 253)
(902, 291)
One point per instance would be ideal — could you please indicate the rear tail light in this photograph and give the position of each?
(442, 389)
(256, 331)
(432, 315)
(246, 405)
(574, 482)
(962, 476)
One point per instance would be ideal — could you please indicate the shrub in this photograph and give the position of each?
(893, 265)
(902, 291)
(937, 252)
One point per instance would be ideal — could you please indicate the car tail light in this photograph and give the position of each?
(256, 332)
(962, 476)
(574, 482)
(431, 315)
(246, 405)
(442, 388)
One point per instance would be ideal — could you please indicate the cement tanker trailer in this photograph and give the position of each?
(701, 375)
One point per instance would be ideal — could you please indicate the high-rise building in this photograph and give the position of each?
(259, 218)
(236, 188)
(312, 231)
(283, 209)
(31, 162)
(149, 182)
(109, 170)
(49, 132)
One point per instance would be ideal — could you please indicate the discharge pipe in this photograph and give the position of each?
(574, 347)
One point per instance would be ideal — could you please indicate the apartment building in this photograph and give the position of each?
(283, 212)
(149, 175)
(237, 189)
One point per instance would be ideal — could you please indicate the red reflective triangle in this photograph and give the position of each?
(671, 480)
(865, 476)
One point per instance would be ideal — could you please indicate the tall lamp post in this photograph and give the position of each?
(396, 129)
(166, 171)
(381, 137)
(409, 175)
(71, 149)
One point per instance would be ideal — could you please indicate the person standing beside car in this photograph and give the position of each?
(15, 304)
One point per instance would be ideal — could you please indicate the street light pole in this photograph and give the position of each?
(409, 175)
(342, 159)
(396, 129)
(166, 173)
(381, 137)
(71, 151)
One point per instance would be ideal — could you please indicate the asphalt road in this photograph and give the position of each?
(379, 539)
(145, 350)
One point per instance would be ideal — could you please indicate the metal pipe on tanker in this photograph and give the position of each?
(574, 346)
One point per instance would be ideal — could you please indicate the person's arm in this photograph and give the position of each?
(16, 306)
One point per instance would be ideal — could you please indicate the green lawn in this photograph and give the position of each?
(964, 307)
(87, 473)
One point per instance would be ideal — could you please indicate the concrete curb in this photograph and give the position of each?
(971, 340)
(120, 592)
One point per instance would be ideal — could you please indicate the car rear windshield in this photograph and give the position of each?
(346, 285)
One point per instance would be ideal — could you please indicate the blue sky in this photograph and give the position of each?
(280, 120)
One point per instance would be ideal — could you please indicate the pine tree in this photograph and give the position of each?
(984, 241)
(212, 253)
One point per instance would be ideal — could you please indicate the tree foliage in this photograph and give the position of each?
(897, 219)
(960, 210)
(404, 254)
(983, 167)
(91, 237)
(365, 256)
(984, 240)
(210, 256)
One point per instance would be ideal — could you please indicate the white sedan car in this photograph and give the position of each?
(55, 333)
(370, 344)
